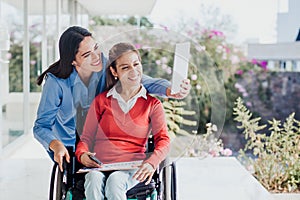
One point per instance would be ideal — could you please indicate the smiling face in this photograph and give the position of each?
(128, 69)
(88, 57)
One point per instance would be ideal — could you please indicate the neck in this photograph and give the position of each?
(128, 93)
(85, 77)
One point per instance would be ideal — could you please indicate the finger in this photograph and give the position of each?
(143, 174)
(149, 179)
(60, 161)
(67, 157)
(187, 81)
(137, 174)
(142, 170)
(185, 87)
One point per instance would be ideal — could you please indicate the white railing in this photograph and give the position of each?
(278, 51)
(280, 56)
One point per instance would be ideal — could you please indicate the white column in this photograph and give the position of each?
(44, 39)
(58, 25)
(76, 12)
(1, 127)
(26, 71)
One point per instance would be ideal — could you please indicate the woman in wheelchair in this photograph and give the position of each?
(117, 127)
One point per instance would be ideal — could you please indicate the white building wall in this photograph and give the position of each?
(288, 24)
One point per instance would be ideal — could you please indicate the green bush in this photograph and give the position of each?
(276, 162)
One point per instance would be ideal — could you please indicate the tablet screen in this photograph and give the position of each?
(180, 67)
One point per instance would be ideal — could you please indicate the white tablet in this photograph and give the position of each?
(180, 67)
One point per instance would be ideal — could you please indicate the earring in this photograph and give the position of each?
(116, 78)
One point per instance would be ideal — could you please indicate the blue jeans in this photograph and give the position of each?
(114, 186)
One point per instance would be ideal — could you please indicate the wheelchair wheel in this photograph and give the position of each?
(168, 186)
(173, 182)
(55, 192)
(57, 186)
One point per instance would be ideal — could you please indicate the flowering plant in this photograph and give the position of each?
(208, 145)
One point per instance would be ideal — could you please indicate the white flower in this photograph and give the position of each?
(194, 77)
(158, 62)
(234, 59)
(164, 60)
(214, 128)
(200, 48)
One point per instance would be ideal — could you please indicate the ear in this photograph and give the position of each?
(74, 63)
(112, 70)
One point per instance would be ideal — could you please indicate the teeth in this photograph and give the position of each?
(97, 63)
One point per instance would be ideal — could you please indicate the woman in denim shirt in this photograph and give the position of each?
(72, 82)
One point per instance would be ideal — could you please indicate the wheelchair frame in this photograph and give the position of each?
(62, 183)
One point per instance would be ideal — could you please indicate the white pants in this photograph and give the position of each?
(114, 187)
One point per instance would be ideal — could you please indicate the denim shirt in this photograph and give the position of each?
(56, 115)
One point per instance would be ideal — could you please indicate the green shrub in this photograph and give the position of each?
(277, 153)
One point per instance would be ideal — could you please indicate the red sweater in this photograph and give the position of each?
(118, 137)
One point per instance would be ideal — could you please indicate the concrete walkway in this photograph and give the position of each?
(25, 174)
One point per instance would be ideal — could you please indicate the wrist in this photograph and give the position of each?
(54, 144)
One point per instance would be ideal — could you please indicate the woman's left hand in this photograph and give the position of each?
(185, 88)
(144, 172)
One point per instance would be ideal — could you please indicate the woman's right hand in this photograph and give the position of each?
(87, 161)
(60, 151)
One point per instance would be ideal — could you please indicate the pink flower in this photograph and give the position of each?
(189, 33)
(234, 59)
(263, 64)
(245, 94)
(248, 104)
(237, 85)
(169, 70)
(217, 33)
(92, 22)
(254, 61)
(227, 49)
(213, 153)
(8, 56)
(138, 46)
(164, 27)
(32, 62)
(239, 72)
(226, 152)
(158, 62)
(164, 66)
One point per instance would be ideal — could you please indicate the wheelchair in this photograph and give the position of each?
(69, 185)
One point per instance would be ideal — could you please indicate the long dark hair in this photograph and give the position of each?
(68, 47)
(114, 53)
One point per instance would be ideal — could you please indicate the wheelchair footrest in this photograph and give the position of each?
(142, 191)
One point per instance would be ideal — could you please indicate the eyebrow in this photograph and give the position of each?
(124, 64)
(85, 53)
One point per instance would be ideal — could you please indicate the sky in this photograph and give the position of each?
(255, 19)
